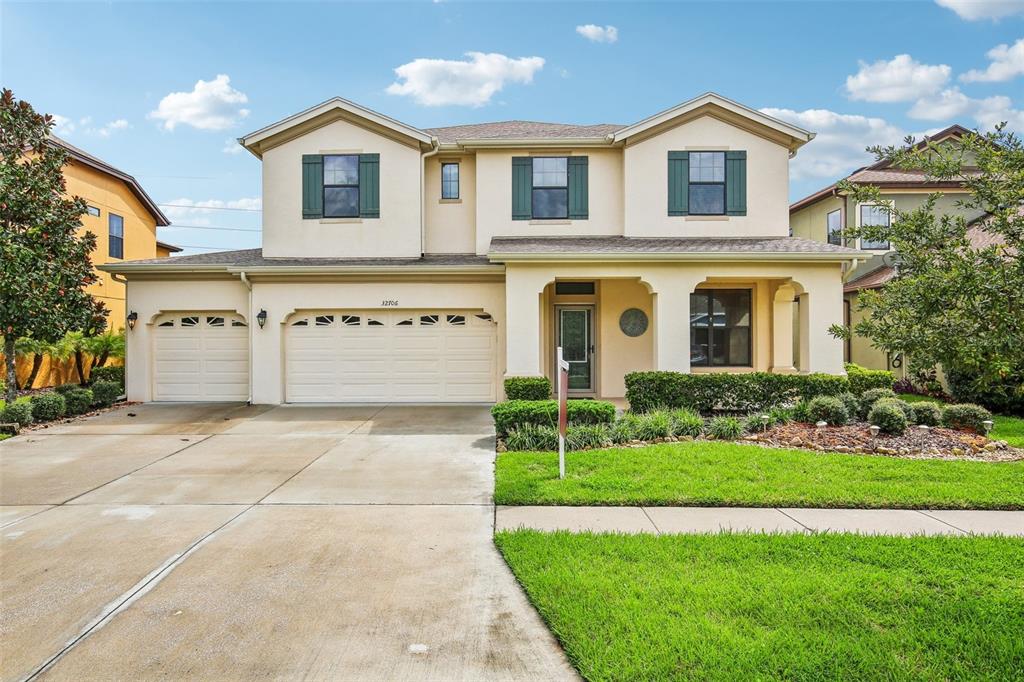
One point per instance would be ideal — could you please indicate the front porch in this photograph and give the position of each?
(613, 319)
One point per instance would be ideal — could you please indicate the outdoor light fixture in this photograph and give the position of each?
(987, 425)
(261, 317)
(874, 430)
(923, 427)
(132, 317)
(821, 425)
(764, 420)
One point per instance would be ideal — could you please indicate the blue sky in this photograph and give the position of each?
(855, 72)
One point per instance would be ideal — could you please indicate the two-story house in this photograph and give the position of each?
(423, 265)
(825, 215)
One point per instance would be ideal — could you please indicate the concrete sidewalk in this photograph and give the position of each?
(662, 520)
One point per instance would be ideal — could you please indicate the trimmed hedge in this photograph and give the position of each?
(104, 393)
(78, 401)
(513, 414)
(114, 373)
(864, 379)
(828, 409)
(965, 416)
(872, 396)
(750, 392)
(64, 389)
(527, 388)
(928, 414)
(47, 406)
(19, 413)
(888, 417)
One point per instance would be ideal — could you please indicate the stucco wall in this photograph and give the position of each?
(646, 183)
(621, 354)
(450, 224)
(395, 234)
(811, 222)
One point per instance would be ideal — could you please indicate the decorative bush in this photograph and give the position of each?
(104, 393)
(802, 412)
(863, 379)
(906, 408)
(115, 373)
(512, 414)
(965, 416)
(78, 401)
(1005, 396)
(532, 437)
(826, 408)
(64, 389)
(527, 388)
(587, 436)
(47, 406)
(725, 428)
(18, 412)
(888, 417)
(686, 423)
(625, 428)
(871, 396)
(750, 392)
(851, 403)
(656, 424)
(927, 413)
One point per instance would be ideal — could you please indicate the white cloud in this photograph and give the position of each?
(472, 82)
(946, 105)
(232, 146)
(110, 128)
(952, 103)
(901, 79)
(993, 110)
(840, 144)
(211, 105)
(1007, 63)
(973, 10)
(63, 126)
(598, 34)
(199, 212)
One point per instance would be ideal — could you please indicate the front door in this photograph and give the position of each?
(575, 334)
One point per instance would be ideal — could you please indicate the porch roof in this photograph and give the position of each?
(668, 248)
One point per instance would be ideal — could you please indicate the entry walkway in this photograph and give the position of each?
(663, 520)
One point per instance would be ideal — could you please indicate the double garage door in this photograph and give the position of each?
(392, 356)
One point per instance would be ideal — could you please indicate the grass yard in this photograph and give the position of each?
(795, 607)
(730, 474)
(1010, 429)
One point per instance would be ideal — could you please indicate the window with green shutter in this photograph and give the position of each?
(312, 186)
(340, 186)
(549, 187)
(522, 184)
(707, 183)
(736, 183)
(678, 183)
(578, 192)
(369, 185)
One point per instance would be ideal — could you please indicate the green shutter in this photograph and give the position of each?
(578, 200)
(678, 183)
(736, 183)
(312, 186)
(522, 187)
(369, 185)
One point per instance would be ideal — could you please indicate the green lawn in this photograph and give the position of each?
(794, 607)
(729, 474)
(1010, 429)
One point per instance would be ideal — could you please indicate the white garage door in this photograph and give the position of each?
(394, 356)
(201, 356)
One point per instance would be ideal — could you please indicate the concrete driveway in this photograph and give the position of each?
(231, 542)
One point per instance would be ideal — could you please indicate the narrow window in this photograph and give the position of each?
(300, 323)
(168, 323)
(93, 211)
(116, 224)
(574, 288)
(835, 227)
(341, 186)
(350, 320)
(215, 321)
(370, 322)
(189, 321)
(457, 320)
(874, 215)
(428, 320)
(238, 323)
(324, 320)
(405, 323)
(449, 181)
(720, 328)
(550, 197)
(707, 183)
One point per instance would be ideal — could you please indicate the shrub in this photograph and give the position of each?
(754, 391)
(868, 399)
(826, 408)
(888, 417)
(19, 412)
(78, 401)
(802, 412)
(927, 413)
(64, 389)
(965, 416)
(104, 393)
(114, 373)
(587, 436)
(851, 403)
(686, 423)
(527, 388)
(906, 408)
(47, 406)
(654, 425)
(725, 428)
(863, 379)
(532, 437)
(625, 428)
(512, 414)
(1005, 396)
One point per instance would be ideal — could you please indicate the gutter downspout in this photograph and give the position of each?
(435, 147)
(248, 285)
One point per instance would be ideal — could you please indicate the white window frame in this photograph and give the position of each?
(860, 242)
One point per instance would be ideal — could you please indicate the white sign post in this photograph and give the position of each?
(563, 417)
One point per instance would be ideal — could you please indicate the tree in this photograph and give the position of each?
(953, 302)
(45, 261)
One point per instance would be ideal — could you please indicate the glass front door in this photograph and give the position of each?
(576, 337)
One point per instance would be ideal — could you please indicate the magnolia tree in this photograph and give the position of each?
(45, 260)
(955, 302)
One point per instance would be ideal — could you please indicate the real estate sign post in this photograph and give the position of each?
(563, 417)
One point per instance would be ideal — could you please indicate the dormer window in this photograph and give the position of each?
(341, 186)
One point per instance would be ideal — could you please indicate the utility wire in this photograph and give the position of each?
(210, 227)
(206, 248)
(211, 208)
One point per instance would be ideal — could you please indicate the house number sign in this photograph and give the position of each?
(389, 303)
(633, 322)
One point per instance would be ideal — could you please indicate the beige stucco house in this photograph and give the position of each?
(424, 265)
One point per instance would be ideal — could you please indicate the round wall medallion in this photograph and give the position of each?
(633, 322)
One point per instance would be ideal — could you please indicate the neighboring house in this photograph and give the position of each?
(164, 250)
(409, 265)
(824, 216)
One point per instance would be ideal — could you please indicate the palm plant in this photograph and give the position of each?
(103, 346)
(38, 349)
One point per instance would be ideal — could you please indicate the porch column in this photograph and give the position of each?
(672, 322)
(820, 308)
(523, 289)
(782, 330)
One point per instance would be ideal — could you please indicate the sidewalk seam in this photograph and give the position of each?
(925, 513)
(794, 520)
(657, 530)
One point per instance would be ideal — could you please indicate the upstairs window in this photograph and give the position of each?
(93, 211)
(834, 227)
(707, 183)
(550, 196)
(116, 235)
(871, 215)
(341, 186)
(449, 181)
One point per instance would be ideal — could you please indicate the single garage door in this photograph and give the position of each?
(201, 357)
(394, 356)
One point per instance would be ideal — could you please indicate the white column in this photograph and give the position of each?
(672, 322)
(782, 330)
(805, 331)
(266, 349)
(820, 308)
(523, 288)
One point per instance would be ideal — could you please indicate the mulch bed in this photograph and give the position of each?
(915, 443)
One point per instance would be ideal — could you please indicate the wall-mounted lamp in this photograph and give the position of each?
(261, 318)
(132, 319)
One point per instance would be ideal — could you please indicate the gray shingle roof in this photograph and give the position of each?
(640, 245)
(253, 258)
(521, 130)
